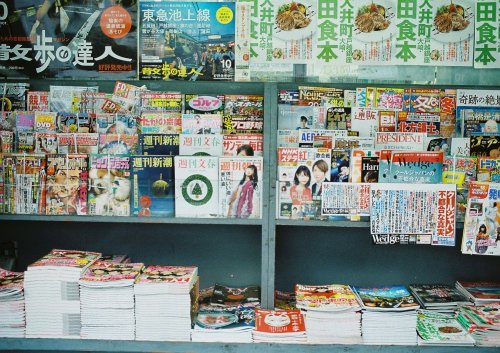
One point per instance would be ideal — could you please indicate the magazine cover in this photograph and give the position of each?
(61, 97)
(416, 167)
(109, 185)
(203, 104)
(67, 184)
(25, 121)
(105, 29)
(160, 123)
(89, 102)
(428, 123)
(102, 271)
(331, 297)
(482, 220)
(480, 121)
(226, 318)
(311, 96)
(365, 121)
(200, 145)
(422, 100)
(484, 146)
(243, 145)
(159, 144)
(340, 165)
(477, 110)
(66, 258)
(224, 295)
(448, 112)
(24, 183)
(388, 298)
(307, 136)
(177, 276)
(7, 141)
(408, 141)
(488, 169)
(126, 97)
(161, 102)
(441, 329)
(197, 44)
(431, 295)
(45, 142)
(427, 210)
(460, 146)
(67, 122)
(14, 95)
(387, 120)
(345, 199)
(116, 123)
(201, 124)
(248, 105)
(118, 144)
(196, 186)
(45, 122)
(294, 117)
(243, 124)
(152, 185)
(240, 187)
(279, 321)
(77, 143)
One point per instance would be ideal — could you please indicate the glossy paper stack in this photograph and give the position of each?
(388, 316)
(164, 300)
(332, 313)
(52, 293)
(13, 318)
(107, 300)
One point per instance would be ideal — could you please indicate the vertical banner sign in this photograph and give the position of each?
(284, 31)
(186, 40)
(68, 39)
(486, 43)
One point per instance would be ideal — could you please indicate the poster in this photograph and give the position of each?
(486, 41)
(68, 39)
(186, 40)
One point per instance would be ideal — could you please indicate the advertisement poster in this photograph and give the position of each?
(486, 43)
(186, 40)
(68, 39)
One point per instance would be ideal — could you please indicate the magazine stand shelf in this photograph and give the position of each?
(272, 253)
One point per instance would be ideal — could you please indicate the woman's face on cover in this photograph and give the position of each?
(318, 174)
(303, 178)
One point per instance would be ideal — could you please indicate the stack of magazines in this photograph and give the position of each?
(13, 318)
(438, 329)
(226, 314)
(164, 298)
(438, 297)
(332, 313)
(283, 326)
(482, 321)
(480, 292)
(389, 315)
(107, 300)
(52, 293)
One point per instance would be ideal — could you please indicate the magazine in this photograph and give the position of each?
(243, 144)
(109, 185)
(387, 298)
(240, 183)
(224, 295)
(158, 144)
(201, 124)
(441, 329)
(416, 167)
(481, 234)
(160, 123)
(45, 142)
(409, 141)
(345, 199)
(67, 182)
(200, 145)
(437, 295)
(331, 297)
(77, 143)
(203, 104)
(152, 185)
(116, 123)
(118, 144)
(161, 102)
(365, 120)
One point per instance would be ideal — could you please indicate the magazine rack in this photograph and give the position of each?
(235, 252)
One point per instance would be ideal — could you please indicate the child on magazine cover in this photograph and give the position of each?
(300, 191)
(241, 205)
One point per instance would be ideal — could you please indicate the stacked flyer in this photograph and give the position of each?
(13, 322)
(440, 329)
(227, 314)
(107, 300)
(332, 313)
(389, 315)
(52, 293)
(164, 301)
(283, 326)
(438, 297)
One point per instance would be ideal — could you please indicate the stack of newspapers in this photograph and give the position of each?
(164, 300)
(388, 316)
(12, 316)
(52, 293)
(332, 313)
(107, 300)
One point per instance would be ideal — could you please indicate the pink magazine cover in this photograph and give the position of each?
(102, 271)
(168, 274)
(66, 258)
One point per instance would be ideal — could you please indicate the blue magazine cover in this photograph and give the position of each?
(152, 186)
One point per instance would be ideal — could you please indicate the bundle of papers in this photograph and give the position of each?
(480, 292)
(52, 293)
(435, 328)
(438, 297)
(224, 323)
(332, 313)
(388, 316)
(13, 318)
(482, 322)
(284, 326)
(107, 300)
(165, 298)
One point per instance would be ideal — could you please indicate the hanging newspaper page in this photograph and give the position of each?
(482, 220)
(345, 199)
(286, 31)
(486, 41)
(424, 210)
(186, 40)
(68, 39)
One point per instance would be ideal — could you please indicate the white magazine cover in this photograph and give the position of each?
(196, 186)
(345, 199)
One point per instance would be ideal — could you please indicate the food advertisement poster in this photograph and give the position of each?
(68, 39)
(186, 40)
(487, 44)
